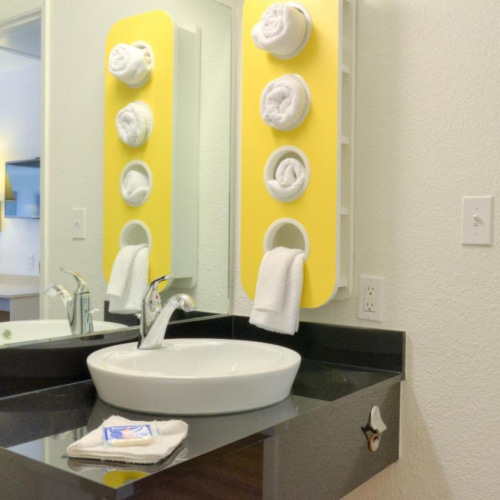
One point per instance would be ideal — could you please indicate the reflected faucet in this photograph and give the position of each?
(155, 317)
(77, 305)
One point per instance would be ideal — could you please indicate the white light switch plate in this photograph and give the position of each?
(477, 220)
(78, 223)
(371, 294)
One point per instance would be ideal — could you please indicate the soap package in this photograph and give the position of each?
(129, 435)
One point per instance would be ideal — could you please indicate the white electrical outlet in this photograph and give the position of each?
(371, 293)
(370, 297)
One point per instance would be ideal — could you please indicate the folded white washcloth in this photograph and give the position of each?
(289, 178)
(281, 30)
(284, 103)
(171, 434)
(132, 65)
(279, 291)
(122, 270)
(130, 302)
(134, 123)
(135, 187)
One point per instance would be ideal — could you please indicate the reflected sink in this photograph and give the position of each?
(194, 376)
(12, 332)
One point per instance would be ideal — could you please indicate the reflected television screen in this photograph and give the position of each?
(22, 189)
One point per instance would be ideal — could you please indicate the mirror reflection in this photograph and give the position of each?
(131, 183)
(22, 189)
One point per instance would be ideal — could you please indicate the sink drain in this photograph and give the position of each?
(7, 334)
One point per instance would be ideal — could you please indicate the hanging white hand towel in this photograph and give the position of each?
(122, 270)
(279, 291)
(135, 187)
(131, 300)
(289, 178)
(132, 65)
(285, 102)
(134, 123)
(281, 30)
(171, 434)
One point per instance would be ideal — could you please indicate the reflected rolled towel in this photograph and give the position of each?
(135, 187)
(281, 30)
(289, 178)
(134, 123)
(285, 102)
(132, 65)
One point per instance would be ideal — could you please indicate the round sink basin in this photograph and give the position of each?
(194, 376)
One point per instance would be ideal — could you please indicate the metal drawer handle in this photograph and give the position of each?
(374, 429)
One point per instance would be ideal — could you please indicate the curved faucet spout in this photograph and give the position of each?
(78, 307)
(153, 338)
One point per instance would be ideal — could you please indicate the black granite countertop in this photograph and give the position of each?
(340, 365)
(36, 428)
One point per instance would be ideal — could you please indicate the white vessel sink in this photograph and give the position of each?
(194, 376)
(12, 332)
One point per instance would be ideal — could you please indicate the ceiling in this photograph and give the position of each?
(20, 45)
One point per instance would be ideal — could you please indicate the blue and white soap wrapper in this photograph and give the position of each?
(129, 435)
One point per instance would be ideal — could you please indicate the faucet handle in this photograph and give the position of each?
(151, 305)
(161, 279)
(153, 288)
(56, 289)
(82, 284)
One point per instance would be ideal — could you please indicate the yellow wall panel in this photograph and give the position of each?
(317, 209)
(157, 29)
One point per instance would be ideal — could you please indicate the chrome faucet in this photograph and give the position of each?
(155, 317)
(77, 305)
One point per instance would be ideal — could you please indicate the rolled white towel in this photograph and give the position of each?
(285, 102)
(134, 123)
(282, 30)
(135, 187)
(289, 178)
(132, 65)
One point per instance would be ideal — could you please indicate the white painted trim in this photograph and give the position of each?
(45, 184)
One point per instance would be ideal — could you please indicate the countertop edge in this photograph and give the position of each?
(127, 490)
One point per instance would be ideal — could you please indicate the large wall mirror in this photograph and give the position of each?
(83, 199)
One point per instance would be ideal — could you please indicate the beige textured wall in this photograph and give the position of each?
(75, 36)
(428, 133)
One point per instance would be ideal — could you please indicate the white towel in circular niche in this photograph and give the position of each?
(135, 187)
(281, 30)
(130, 64)
(285, 102)
(289, 178)
(134, 123)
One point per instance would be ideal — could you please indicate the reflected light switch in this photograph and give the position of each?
(78, 222)
(477, 220)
